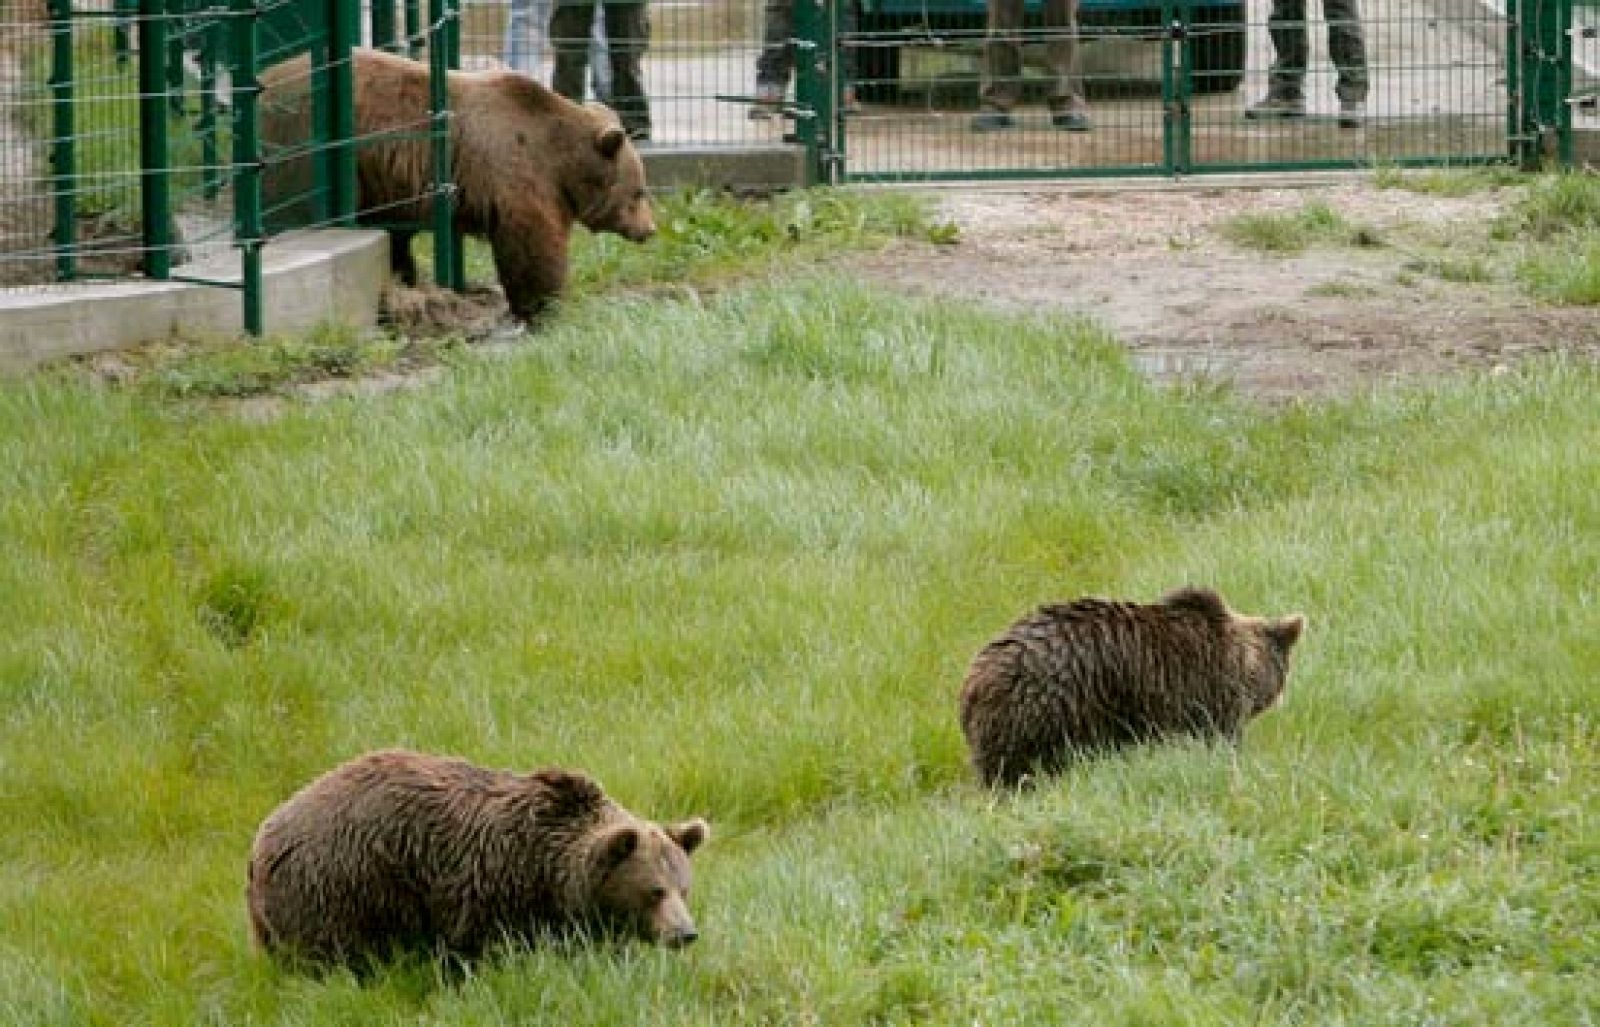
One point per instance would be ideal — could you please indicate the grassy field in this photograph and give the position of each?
(731, 554)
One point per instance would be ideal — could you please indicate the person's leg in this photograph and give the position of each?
(570, 26)
(1347, 46)
(628, 28)
(1068, 106)
(1286, 79)
(1287, 26)
(600, 60)
(514, 46)
(1002, 65)
(776, 62)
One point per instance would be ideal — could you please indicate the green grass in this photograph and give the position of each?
(1545, 241)
(1315, 223)
(703, 236)
(1568, 273)
(1451, 182)
(731, 554)
(706, 239)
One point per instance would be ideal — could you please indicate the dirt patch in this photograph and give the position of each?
(427, 311)
(1153, 266)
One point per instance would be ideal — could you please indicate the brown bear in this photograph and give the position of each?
(398, 850)
(1098, 674)
(526, 164)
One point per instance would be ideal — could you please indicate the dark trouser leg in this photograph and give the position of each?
(776, 62)
(570, 26)
(1066, 85)
(628, 28)
(1347, 46)
(1002, 56)
(1287, 26)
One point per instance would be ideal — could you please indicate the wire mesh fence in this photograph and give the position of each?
(1175, 87)
(134, 140)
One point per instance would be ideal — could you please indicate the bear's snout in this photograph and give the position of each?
(681, 937)
(639, 232)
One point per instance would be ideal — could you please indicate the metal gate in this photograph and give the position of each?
(896, 89)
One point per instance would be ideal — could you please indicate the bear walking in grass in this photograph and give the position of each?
(1097, 674)
(526, 163)
(399, 850)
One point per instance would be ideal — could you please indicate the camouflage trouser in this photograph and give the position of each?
(1345, 45)
(627, 27)
(1002, 56)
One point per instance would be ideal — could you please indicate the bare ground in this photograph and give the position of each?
(1152, 266)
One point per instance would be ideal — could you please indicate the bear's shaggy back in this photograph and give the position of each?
(1099, 674)
(396, 849)
(526, 165)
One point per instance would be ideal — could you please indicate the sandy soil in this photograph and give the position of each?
(1152, 266)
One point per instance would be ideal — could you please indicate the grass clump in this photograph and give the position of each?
(1553, 206)
(1316, 222)
(704, 236)
(1568, 274)
(227, 369)
(1472, 268)
(1450, 182)
(732, 557)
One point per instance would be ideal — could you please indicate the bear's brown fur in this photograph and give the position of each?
(526, 164)
(399, 850)
(1098, 674)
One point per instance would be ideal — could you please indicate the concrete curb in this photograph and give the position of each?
(309, 277)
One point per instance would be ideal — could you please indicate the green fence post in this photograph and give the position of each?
(247, 162)
(446, 272)
(154, 170)
(1513, 58)
(452, 56)
(1545, 124)
(63, 142)
(813, 49)
(344, 28)
(1182, 22)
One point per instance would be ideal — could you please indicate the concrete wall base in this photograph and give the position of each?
(308, 277)
(750, 169)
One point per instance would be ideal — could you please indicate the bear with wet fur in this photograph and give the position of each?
(527, 164)
(399, 850)
(1098, 674)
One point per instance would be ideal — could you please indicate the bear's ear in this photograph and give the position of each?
(618, 846)
(690, 834)
(1203, 601)
(609, 141)
(1286, 630)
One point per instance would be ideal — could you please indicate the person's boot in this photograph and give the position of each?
(992, 120)
(1277, 107)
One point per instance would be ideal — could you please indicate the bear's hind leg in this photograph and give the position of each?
(401, 263)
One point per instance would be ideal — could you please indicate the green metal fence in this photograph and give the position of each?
(131, 138)
(1170, 90)
(131, 142)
